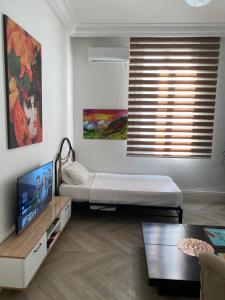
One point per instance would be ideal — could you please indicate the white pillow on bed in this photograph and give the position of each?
(77, 173)
(65, 178)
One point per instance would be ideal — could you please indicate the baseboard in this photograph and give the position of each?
(204, 196)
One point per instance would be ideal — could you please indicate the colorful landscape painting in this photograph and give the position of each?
(108, 124)
(23, 86)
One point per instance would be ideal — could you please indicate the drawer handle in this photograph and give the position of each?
(67, 207)
(39, 246)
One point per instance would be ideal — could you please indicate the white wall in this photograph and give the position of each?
(37, 18)
(106, 86)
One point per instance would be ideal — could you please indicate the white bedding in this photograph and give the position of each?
(108, 188)
(77, 192)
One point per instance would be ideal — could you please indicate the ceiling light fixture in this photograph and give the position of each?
(197, 3)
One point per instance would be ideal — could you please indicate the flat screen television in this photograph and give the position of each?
(34, 192)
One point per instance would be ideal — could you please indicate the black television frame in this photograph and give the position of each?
(17, 194)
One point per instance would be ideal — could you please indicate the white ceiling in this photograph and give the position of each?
(146, 11)
(99, 17)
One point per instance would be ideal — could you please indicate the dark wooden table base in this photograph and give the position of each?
(177, 288)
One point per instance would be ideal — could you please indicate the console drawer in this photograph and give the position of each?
(65, 215)
(34, 259)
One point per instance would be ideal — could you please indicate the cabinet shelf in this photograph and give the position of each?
(52, 228)
(51, 242)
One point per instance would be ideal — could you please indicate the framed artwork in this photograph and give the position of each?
(108, 124)
(23, 86)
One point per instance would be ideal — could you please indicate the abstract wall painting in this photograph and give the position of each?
(23, 86)
(110, 124)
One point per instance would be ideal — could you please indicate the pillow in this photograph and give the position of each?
(77, 173)
(65, 177)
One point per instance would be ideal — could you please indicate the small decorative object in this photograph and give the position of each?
(108, 124)
(197, 3)
(194, 247)
(23, 86)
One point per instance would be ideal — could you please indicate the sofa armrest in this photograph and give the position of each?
(212, 277)
(214, 263)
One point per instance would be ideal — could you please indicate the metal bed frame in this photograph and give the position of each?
(70, 156)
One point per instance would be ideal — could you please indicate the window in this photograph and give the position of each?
(172, 91)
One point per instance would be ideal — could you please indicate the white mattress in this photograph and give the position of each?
(108, 188)
(77, 192)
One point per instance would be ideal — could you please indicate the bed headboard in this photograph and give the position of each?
(62, 159)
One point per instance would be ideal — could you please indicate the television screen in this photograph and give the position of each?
(34, 191)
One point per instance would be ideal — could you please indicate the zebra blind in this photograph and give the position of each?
(172, 91)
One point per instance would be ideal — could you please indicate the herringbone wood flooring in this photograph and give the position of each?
(101, 257)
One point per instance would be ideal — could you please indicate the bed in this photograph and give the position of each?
(119, 190)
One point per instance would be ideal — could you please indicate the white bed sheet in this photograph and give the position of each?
(77, 192)
(108, 188)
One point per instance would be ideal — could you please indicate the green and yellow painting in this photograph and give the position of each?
(110, 124)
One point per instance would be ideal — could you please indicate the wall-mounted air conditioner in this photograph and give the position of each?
(108, 55)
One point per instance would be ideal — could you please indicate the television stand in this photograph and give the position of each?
(21, 255)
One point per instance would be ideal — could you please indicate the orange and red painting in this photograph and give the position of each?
(108, 124)
(23, 86)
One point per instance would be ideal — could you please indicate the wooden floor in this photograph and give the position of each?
(102, 258)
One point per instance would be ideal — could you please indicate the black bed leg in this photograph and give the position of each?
(180, 215)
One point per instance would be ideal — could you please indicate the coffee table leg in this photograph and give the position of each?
(180, 214)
